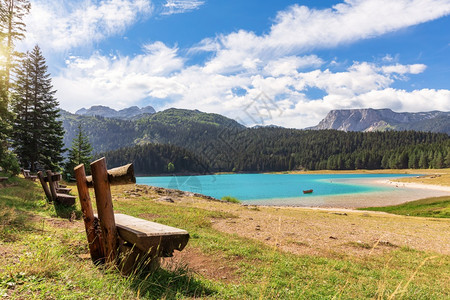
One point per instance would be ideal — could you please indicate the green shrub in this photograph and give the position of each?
(9, 163)
(230, 199)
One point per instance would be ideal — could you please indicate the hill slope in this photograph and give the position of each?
(172, 126)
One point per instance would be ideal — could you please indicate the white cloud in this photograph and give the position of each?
(402, 69)
(290, 64)
(299, 29)
(303, 28)
(181, 6)
(117, 81)
(63, 26)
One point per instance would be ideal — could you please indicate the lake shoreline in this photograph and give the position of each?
(389, 191)
(402, 192)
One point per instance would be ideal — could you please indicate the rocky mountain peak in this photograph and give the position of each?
(384, 119)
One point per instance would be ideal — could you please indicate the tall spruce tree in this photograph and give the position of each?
(38, 135)
(79, 153)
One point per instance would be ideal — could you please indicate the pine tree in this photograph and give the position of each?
(79, 153)
(41, 142)
(447, 160)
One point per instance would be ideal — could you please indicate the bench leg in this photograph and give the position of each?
(132, 260)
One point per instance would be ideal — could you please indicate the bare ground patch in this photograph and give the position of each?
(211, 267)
(327, 233)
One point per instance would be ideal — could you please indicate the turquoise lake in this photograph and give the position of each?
(248, 187)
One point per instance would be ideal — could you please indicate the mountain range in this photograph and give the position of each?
(205, 141)
(385, 119)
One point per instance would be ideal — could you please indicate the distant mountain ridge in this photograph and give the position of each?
(107, 112)
(176, 126)
(384, 119)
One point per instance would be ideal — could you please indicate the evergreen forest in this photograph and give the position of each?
(279, 149)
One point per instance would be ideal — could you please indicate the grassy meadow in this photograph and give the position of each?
(438, 207)
(44, 253)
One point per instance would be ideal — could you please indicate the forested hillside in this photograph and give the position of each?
(155, 158)
(277, 149)
(173, 126)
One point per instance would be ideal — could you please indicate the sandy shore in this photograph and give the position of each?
(419, 186)
(391, 193)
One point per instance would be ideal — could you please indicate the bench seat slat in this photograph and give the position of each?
(153, 238)
(143, 228)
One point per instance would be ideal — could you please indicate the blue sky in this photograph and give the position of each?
(260, 62)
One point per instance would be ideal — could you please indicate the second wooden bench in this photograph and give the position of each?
(53, 190)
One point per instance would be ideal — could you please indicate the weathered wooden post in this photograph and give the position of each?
(94, 240)
(45, 186)
(52, 186)
(105, 209)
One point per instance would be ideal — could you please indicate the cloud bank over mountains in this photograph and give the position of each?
(270, 74)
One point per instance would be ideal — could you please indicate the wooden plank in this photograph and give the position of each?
(143, 228)
(92, 232)
(105, 209)
(118, 176)
(156, 239)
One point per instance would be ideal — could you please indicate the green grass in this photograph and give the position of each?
(40, 259)
(431, 207)
(230, 199)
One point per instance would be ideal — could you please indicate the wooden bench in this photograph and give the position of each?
(119, 239)
(160, 239)
(27, 175)
(53, 191)
(3, 179)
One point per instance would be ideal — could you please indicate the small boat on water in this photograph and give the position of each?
(307, 191)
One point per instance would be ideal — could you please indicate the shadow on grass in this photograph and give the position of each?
(165, 284)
